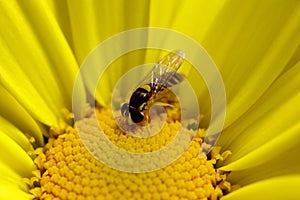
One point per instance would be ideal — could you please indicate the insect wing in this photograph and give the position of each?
(164, 77)
(164, 73)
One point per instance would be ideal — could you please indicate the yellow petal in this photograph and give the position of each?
(12, 155)
(94, 21)
(269, 151)
(270, 128)
(16, 114)
(62, 61)
(293, 61)
(11, 177)
(251, 43)
(284, 164)
(37, 65)
(193, 18)
(9, 191)
(278, 188)
(15, 134)
(60, 10)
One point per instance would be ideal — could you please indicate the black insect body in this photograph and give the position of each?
(163, 75)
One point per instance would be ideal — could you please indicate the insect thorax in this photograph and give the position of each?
(140, 96)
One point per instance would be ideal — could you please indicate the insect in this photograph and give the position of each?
(153, 87)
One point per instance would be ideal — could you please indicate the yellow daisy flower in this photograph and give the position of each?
(255, 45)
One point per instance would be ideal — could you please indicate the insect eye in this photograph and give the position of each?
(125, 110)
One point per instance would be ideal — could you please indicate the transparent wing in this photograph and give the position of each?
(164, 73)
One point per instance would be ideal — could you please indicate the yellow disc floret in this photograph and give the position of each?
(69, 171)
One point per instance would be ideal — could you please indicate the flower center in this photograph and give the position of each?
(69, 171)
